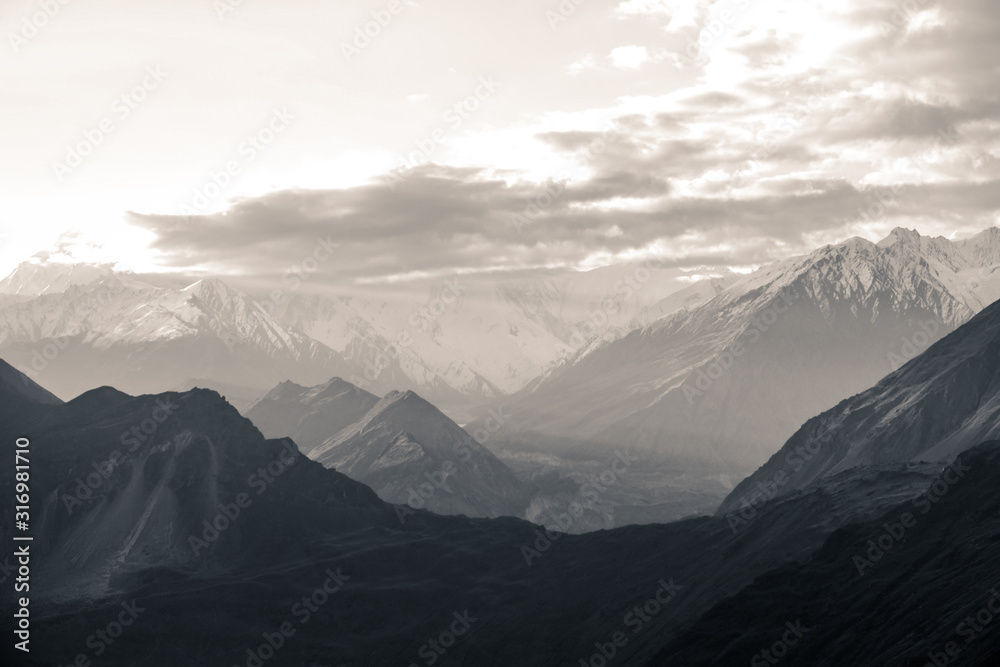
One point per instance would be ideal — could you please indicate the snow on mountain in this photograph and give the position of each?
(35, 278)
(719, 387)
(122, 331)
(939, 404)
(459, 343)
(481, 338)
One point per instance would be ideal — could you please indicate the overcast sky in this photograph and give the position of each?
(725, 133)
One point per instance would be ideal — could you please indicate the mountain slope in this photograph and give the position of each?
(930, 409)
(380, 588)
(15, 386)
(310, 415)
(719, 387)
(915, 586)
(411, 453)
(469, 339)
(122, 331)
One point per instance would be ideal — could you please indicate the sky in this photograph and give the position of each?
(408, 140)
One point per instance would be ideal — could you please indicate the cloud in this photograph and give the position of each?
(791, 132)
(677, 14)
(588, 62)
(629, 57)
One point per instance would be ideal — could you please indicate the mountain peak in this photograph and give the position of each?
(408, 396)
(210, 286)
(900, 235)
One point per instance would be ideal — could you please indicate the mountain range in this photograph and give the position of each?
(218, 538)
(929, 410)
(401, 446)
(701, 385)
(465, 342)
(715, 389)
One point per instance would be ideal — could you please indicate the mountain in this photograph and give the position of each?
(123, 331)
(31, 279)
(16, 387)
(458, 342)
(715, 389)
(929, 410)
(914, 586)
(310, 415)
(466, 340)
(410, 453)
(241, 550)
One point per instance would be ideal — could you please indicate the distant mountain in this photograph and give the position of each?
(31, 279)
(403, 447)
(466, 340)
(123, 331)
(718, 387)
(457, 343)
(930, 410)
(310, 415)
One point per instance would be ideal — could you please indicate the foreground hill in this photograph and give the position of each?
(929, 410)
(916, 586)
(215, 537)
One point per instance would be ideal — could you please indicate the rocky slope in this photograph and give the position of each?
(928, 410)
(158, 531)
(717, 388)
